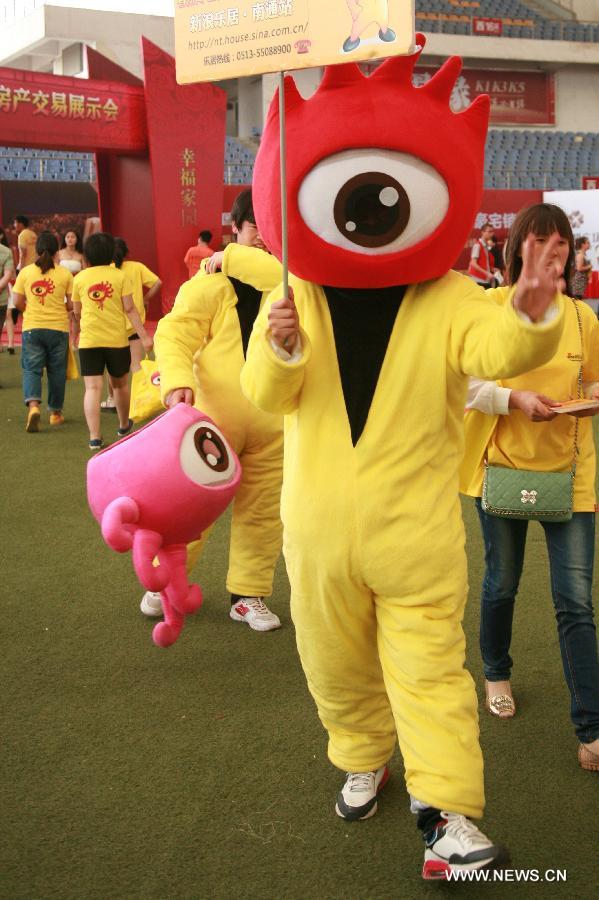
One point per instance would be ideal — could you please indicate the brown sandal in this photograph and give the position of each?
(500, 705)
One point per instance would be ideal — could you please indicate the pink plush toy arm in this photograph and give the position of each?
(118, 523)
(146, 545)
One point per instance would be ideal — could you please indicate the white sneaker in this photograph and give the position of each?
(255, 612)
(357, 797)
(457, 845)
(151, 604)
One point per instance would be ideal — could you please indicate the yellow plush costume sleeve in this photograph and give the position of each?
(491, 341)
(185, 329)
(256, 267)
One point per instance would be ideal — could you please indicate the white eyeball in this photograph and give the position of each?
(155, 379)
(373, 202)
(205, 455)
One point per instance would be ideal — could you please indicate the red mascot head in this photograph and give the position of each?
(384, 180)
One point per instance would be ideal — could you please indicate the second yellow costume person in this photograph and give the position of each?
(373, 532)
(200, 345)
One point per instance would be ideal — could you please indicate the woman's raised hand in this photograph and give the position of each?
(539, 280)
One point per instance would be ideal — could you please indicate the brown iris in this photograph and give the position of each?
(372, 209)
(211, 449)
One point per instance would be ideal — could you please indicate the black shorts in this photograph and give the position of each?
(94, 360)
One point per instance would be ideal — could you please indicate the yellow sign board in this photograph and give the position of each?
(218, 39)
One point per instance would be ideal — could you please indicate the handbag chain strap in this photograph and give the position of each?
(579, 389)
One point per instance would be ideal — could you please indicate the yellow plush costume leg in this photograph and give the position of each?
(422, 648)
(256, 528)
(336, 630)
(377, 664)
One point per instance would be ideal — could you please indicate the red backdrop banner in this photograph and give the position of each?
(55, 111)
(499, 208)
(517, 98)
(186, 131)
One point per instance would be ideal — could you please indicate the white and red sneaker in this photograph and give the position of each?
(255, 613)
(357, 798)
(457, 845)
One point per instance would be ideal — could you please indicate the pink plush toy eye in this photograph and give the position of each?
(204, 455)
(155, 379)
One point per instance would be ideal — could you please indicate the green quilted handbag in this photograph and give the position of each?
(522, 494)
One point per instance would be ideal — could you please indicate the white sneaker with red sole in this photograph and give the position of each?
(457, 845)
(255, 613)
(357, 799)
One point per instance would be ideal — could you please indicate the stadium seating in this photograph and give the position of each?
(20, 164)
(518, 20)
(540, 160)
(514, 160)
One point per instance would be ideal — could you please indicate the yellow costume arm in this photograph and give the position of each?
(269, 382)
(252, 266)
(183, 331)
(492, 342)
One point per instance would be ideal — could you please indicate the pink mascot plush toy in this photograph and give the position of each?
(155, 491)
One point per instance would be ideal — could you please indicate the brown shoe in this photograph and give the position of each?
(501, 704)
(587, 759)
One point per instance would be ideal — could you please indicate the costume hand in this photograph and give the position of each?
(179, 395)
(536, 407)
(283, 321)
(539, 280)
(214, 263)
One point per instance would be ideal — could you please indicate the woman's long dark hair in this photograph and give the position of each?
(47, 248)
(542, 219)
(78, 245)
(120, 251)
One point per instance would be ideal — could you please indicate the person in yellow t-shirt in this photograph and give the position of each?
(103, 307)
(513, 423)
(26, 241)
(43, 291)
(145, 285)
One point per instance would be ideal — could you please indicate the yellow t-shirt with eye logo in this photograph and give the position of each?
(45, 294)
(100, 291)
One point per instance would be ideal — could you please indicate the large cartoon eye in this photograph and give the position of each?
(373, 201)
(39, 290)
(204, 455)
(98, 294)
(155, 379)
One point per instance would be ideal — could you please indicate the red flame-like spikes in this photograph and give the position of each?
(442, 83)
(341, 76)
(293, 98)
(399, 68)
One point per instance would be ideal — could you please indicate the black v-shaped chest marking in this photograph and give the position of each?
(248, 307)
(362, 324)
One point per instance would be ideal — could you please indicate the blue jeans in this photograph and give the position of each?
(44, 348)
(571, 548)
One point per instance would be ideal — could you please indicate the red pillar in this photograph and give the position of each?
(186, 134)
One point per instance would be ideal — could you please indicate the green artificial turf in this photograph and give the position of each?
(201, 771)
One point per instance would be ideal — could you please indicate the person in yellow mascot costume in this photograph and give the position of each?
(368, 359)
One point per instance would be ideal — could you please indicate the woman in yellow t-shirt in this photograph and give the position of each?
(145, 285)
(103, 308)
(43, 290)
(513, 423)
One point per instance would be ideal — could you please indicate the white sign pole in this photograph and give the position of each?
(283, 154)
